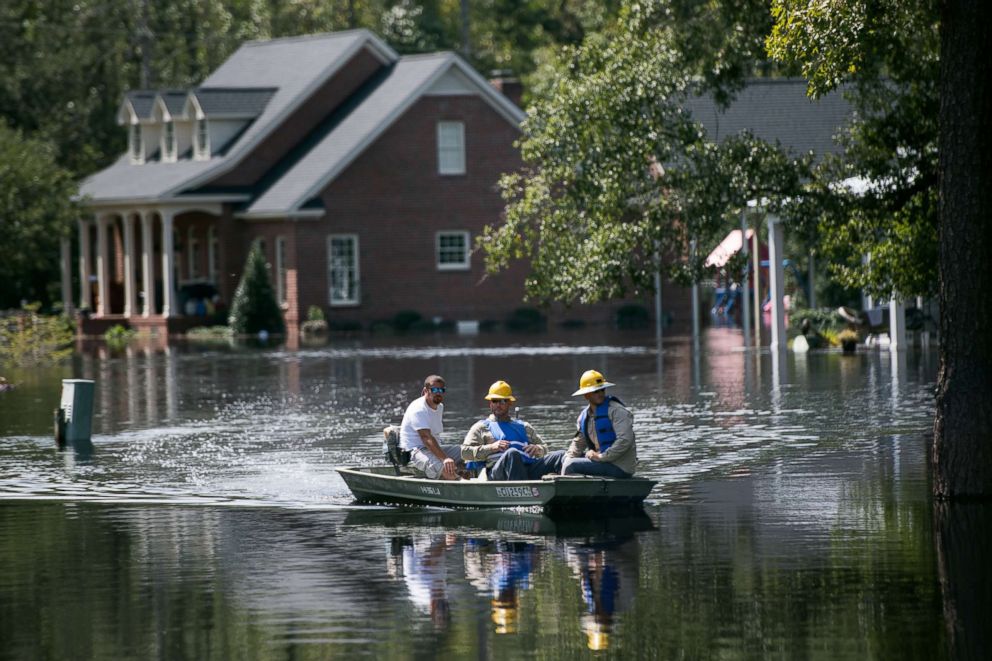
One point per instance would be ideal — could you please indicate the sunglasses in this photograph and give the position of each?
(437, 390)
(500, 401)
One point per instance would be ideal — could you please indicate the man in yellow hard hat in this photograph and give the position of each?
(511, 449)
(604, 442)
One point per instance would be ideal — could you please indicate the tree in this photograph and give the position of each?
(898, 40)
(254, 307)
(36, 212)
(617, 178)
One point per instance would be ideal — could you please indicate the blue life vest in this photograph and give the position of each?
(511, 431)
(605, 433)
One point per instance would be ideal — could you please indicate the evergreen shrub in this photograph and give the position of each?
(254, 307)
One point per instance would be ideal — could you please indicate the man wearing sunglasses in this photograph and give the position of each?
(421, 430)
(510, 449)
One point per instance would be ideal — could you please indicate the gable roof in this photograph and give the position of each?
(777, 109)
(233, 101)
(409, 79)
(293, 67)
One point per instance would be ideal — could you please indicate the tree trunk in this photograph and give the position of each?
(962, 444)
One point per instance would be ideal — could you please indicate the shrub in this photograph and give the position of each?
(820, 320)
(315, 313)
(526, 319)
(27, 337)
(406, 320)
(254, 307)
(633, 316)
(117, 336)
(314, 327)
(209, 334)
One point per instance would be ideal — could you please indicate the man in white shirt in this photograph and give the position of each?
(421, 430)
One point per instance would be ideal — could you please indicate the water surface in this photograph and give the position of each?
(791, 517)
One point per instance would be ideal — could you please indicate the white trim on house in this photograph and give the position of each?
(376, 46)
(465, 263)
(355, 296)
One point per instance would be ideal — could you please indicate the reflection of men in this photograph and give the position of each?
(608, 576)
(421, 429)
(511, 449)
(604, 443)
(426, 576)
(510, 577)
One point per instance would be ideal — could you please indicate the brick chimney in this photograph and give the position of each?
(508, 85)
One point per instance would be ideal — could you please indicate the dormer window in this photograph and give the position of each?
(201, 140)
(135, 146)
(169, 142)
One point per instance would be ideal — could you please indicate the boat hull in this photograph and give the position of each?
(380, 484)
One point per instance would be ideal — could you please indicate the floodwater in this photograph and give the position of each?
(791, 517)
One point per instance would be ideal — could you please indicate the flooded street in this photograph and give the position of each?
(791, 518)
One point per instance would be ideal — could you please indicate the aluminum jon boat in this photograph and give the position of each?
(381, 484)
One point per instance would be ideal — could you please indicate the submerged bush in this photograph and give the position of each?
(117, 336)
(526, 319)
(28, 338)
(633, 316)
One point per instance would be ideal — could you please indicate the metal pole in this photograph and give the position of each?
(756, 260)
(746, 299)
(695, 300)
(776, 276)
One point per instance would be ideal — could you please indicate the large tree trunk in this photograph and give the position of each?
(962, 444)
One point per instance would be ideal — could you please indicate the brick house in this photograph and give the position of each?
(366, 176)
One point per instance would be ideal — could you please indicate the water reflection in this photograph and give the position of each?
(607, 572)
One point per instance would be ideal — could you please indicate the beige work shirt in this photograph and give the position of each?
(478, 437)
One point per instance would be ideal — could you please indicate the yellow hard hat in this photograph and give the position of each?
(501, 390)
(504, 616)
(591, 381)
(597, 633)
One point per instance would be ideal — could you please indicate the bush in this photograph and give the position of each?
(406, 320)
(209, 334)
(633, 316)
(117, 336)
(254, 307)
(819, 320)
(526, 319)
(27, 337)
(314, 327)
(315, 313)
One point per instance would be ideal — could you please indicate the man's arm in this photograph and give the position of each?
(435, 448)
(535, 444)
(477, 444)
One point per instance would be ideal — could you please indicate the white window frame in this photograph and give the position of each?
(201, 139)
(281, 270)
(355, 298)
(450, 148)
(168, 145)
(135, 144)
(466, 262)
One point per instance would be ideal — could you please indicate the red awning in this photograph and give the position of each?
(730, 245)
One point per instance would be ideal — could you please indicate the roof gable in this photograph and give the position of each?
(409, 79)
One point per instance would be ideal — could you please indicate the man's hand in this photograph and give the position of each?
(498, 446)
(532, 450)
(593, 455)
(448, 471)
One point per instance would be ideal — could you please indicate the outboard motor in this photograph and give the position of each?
(395, 455)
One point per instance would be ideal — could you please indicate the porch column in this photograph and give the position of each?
(776, 277)
(168, 262)
(102, 266)
(897, 325)
(695, 300)
(147, 264)
(85, 265)
(130, 288)
(66, 248)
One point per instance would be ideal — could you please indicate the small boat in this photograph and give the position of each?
(381, 484)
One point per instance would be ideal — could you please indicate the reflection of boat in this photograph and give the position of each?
(380, 484)
(506, 523)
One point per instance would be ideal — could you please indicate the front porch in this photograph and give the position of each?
(153, 270)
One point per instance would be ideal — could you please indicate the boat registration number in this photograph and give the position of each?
(517, 492)
(430, 491)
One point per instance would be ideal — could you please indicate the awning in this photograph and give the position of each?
(727, 248)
